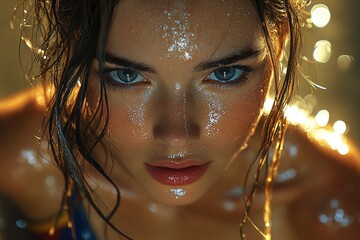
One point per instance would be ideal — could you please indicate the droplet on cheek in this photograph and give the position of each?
(215, 112)
(136, 114)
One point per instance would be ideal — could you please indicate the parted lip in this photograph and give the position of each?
(177, 163)
(177, 172)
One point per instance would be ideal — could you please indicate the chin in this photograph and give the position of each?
(177, 195)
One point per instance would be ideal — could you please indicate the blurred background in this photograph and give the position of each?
(331, 43)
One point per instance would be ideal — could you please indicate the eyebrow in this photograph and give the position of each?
(127, 63)
(232, 58)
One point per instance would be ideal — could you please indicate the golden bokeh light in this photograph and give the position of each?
(345, 62)
(322, 118)
(320, 15)
(322, 51)
(340, 127)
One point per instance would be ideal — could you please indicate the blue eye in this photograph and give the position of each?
(125, 76)
(226, 74)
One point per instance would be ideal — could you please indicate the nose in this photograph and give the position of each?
(177, 125)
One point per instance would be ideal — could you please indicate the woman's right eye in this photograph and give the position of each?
(125, 76)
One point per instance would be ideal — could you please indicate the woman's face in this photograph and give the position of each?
(186, 82)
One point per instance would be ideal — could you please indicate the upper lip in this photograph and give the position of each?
(178, 163)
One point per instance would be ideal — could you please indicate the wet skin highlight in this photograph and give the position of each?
(202, 107)
(173, 114)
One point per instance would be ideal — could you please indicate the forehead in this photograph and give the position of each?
(183, 29)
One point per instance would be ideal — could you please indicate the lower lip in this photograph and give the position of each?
(177, 177)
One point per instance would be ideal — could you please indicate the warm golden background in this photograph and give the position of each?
(341, 98)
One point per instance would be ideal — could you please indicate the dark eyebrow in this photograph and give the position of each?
(232, 58)
(127, 63)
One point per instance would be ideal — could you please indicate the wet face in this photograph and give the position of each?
(186, 81)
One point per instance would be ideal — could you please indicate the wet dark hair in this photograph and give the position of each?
(68, 35)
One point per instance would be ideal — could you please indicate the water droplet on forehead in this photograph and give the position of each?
(175, 29)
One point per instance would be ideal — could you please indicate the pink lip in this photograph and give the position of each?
(176, 173)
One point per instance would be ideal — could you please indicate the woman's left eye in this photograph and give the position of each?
(124, 76)
(226, 74)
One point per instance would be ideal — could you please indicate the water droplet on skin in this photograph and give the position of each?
(175, 28)
(229, 205)
(216, 111)
(86, 235)
(334, 216)
(177, 155)
(21, 223)
(177, 86)
(293, 151)
(153, 208)
(178, 192)
(31, 159)
(235, 192)
(136, 112)
(286, 175)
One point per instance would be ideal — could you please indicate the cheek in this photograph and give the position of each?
(128, 120)
(126, 114)
(233, 118)
(133, 116)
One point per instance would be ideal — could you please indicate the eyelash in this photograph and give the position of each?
(245, 75)
(113, 84)
(247, 71)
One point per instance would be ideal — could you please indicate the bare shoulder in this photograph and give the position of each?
(325, 145)
(330, 166)
(27, 175)
(20, 123)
